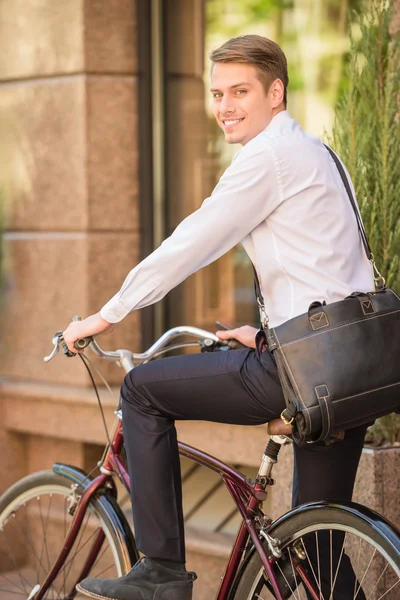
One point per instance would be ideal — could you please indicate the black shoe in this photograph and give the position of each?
(147, 580)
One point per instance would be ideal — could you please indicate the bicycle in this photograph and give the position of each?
(71, 525)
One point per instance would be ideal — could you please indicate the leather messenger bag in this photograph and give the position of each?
(339, 364)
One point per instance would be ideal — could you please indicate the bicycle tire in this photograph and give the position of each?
(40, 500)
(361, 523)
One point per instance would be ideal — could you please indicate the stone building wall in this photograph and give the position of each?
(68, 149)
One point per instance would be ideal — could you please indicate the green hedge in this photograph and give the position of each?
(366, 134)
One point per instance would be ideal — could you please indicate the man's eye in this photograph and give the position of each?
(217, 95)
(240, 92)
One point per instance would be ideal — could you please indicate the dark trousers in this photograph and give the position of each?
(238, 387)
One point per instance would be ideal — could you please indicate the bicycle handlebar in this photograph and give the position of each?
(128, 359)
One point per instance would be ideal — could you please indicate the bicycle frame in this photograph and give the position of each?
(248, 499)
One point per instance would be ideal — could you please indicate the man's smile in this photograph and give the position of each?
(231, 122)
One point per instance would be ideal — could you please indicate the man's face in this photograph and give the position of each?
(242, 107)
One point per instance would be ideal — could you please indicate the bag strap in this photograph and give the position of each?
(346, 184)
(377, 276)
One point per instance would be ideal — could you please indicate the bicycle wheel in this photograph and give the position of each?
(346, 553)
(34, 520)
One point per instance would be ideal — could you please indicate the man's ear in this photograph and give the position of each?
(277, 92)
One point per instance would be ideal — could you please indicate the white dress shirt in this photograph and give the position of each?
(282, 197)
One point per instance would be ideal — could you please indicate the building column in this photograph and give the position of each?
(68, 172)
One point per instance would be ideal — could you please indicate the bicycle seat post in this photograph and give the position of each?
(270, 456)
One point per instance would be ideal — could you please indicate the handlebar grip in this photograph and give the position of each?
(83, 343)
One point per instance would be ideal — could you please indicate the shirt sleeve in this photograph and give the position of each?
(245, 195)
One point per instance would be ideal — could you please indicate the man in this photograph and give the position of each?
(283, 198)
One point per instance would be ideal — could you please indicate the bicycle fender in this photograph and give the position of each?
(107, 498)
(365, 514)
(80, 477)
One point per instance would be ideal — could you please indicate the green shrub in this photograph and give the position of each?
(366, 134)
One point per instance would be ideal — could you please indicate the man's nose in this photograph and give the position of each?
(226, 107)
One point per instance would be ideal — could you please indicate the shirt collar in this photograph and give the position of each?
(278, 121)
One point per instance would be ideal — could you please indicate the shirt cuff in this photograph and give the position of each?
(114, 311)
(134, 294)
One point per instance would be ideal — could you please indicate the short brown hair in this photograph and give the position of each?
(262, 53)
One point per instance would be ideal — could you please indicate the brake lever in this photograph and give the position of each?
(58, 340)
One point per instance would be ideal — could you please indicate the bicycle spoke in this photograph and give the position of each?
(15, 593)
(294, 575)
(65, 533)
(338, 566)
(44, 529)
(29, 541)
(99, 558)
(69, 562)
(47, 524)
(389, 590)
(312, 568)
(365, 573)
(12, 582)
(319, 566)
(377, 581)
(104, 570)
(356, 571)
(12, 557)
(283, 575)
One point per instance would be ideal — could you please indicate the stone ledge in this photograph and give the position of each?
(208, 543)
(207, 554)
(51, 410)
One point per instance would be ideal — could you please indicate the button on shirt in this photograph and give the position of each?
(282, 197)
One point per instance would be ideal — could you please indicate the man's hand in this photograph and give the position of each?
(246, 335)
(93, 325)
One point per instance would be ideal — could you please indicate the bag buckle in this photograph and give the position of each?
(285, 420)
(263, 313)
(380, 281)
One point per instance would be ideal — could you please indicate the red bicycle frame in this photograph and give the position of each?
(248, 499)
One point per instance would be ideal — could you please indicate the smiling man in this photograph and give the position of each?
(283, 199)
(243, 109)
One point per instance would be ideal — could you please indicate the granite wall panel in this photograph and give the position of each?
(43, 154)
(45, 286)
(110, 257)
(40, 38)
(110, 36)
(43, 452)
(50, 278)
(13, 455)
(112, 153)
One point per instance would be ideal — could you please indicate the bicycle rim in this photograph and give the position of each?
(340, 562)
(33, 526)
